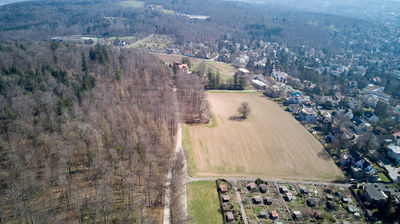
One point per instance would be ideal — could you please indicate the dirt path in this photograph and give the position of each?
(184, 179)
(244, 216)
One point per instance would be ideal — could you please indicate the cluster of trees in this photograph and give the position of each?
(78, 143)
(194, 106)
(238, 82)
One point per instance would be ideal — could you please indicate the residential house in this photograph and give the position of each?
(363, 169)
(183, 67)
(394, 152)
(308, 115)
(243, 71)
(345, 159)
(280, 76)
(258, 84)
(374, 194)
(358, 126)
(263, 214)
(370, 117)
(273, 91)
(376, 90)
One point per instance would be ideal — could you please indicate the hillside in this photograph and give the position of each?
(86, 134)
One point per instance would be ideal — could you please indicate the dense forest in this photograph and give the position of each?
(87, 133)
(41, 20)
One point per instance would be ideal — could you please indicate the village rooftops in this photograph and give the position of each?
(371, 88)
(258, 83)
(308, 110)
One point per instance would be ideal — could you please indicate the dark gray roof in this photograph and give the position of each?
(386, 188)
(375, 191)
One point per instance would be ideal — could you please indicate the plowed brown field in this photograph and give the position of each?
(269, 144)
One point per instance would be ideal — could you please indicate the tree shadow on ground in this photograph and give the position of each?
(324, 155)
(236, 118)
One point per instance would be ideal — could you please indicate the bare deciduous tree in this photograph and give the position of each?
(244, 110)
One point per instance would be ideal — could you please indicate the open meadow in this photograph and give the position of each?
(269, 144)
(203, 202)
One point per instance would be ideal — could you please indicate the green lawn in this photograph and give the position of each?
(132, 4)
(187, 146)
(203, 202)
(383, 177)
(122, 38)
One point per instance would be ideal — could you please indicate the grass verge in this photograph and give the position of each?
(132, 4)
(203, 202)
(187, 146)
(383, 177)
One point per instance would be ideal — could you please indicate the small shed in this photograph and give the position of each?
(268, 200)
(251, 186)
(352, 208)
(283, 189)
(297, 215)
(330, 197)
(226, 198)
(230, 217)
(331, 205)
(346, 200)
(257, 199)
(304, 190)
(263, 214)
(274, 215)
(311, 202)
(263, 188)
(223, 188)
(289, 196)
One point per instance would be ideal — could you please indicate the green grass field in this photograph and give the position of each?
(203, 202)
(122, 38)
(132, 4)
(187, 146)
(383, 177)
